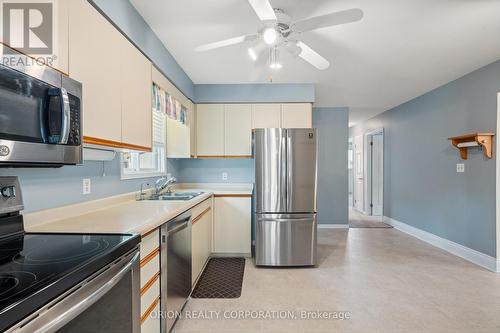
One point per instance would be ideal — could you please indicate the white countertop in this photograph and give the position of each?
(123, 214)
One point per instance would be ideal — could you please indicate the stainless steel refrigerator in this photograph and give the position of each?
(285, 194)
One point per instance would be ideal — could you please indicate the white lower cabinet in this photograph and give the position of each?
(150, 282)
(201, 237)
(232, 224)
(152, 324)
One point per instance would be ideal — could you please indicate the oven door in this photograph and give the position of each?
(108, 301)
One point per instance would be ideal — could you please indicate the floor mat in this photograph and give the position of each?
(222, 278)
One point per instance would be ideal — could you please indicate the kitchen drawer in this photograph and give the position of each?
(200, 208)
(150, 268)
(151, 324)
(150, 296)
(150, 242)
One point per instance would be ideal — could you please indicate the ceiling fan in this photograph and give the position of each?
(280, 32)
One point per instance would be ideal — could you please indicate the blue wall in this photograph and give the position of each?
(254, 93)
(421, 186)
(123, 14)
(48, 188)
(210, 170)
(332, 125)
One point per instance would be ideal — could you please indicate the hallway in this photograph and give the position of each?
(359, 220)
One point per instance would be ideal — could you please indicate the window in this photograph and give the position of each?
(142, 164)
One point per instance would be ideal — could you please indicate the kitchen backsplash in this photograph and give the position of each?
(212, 170)
(55, 187)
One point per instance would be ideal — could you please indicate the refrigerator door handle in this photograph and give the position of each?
(283, 172)
(289, 172)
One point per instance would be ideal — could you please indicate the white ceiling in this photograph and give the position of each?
(400, 50)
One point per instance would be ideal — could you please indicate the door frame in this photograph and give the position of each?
(497, 183)
(368, 167)
(363, 165)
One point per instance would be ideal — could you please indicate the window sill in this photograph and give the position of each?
(142, 175)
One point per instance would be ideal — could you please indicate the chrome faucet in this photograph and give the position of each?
(142, 195)
(164, 183)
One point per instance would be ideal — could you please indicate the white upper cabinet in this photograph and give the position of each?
(225, 130)
(296, 115)
(61, 31)
(266, 115)
(238, 130)
(94, 60)
(136, 97)
(180, 137)
(210, 130)
(116, 80)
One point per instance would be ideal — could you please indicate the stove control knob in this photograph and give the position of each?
(8, 192)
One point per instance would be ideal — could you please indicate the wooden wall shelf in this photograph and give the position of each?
(463, 142)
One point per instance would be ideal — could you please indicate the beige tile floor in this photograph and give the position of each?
(386, 280)
(359, 220)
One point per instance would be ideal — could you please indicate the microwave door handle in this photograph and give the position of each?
(75, 304)
(66, 117)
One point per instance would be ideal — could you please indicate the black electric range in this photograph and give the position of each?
(36, 268)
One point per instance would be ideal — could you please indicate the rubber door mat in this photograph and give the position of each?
(222, 278)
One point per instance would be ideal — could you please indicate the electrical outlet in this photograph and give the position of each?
(224, 176)
(86, 186)
(460, 167)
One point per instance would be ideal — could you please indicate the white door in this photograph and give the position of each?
(377, 174)
(358, 174)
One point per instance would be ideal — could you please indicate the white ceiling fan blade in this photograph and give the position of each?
(342, 17)
(225, 42)
(312, 57)
(263, 9)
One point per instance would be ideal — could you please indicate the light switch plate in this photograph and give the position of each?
(86, 186)
(460, 167)
(224, 176)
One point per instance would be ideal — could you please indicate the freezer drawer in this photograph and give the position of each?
(285, 239)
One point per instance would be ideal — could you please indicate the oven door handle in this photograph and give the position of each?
(63, 311)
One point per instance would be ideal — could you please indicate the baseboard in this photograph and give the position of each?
(333, 226)
(459, 250)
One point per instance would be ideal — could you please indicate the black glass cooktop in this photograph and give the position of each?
(35, 268)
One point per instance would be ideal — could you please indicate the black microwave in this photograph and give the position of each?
(40, 114)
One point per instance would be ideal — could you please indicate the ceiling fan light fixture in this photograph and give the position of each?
(270, 35)
(274, 60)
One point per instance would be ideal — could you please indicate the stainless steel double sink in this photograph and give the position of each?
(174, 196)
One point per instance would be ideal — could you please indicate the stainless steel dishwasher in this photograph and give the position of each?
(175, 268)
